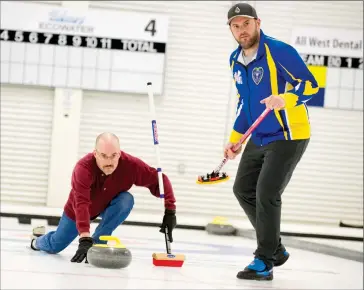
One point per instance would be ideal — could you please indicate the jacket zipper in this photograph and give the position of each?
(251, 117)
(246, 70)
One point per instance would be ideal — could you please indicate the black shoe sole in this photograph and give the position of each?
(252, 276)
(248, 274)
(280, 262)
(31, 246)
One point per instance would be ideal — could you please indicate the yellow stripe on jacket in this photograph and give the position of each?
(274, 84)
(296, 117)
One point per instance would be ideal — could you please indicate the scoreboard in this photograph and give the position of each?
(87, 49)
(335, 58)
(333, 61)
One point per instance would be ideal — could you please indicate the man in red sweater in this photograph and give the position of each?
(100, 188)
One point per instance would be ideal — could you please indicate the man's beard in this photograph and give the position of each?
(252, 41)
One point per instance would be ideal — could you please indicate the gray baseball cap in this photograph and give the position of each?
(241, 9)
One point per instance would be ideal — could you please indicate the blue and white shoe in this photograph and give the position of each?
(256, 270)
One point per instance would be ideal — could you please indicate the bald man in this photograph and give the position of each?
(101, 181)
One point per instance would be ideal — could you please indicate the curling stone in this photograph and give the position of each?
(109, 256)
(219, 226)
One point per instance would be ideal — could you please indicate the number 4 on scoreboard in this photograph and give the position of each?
(4, 35)
(151, 27)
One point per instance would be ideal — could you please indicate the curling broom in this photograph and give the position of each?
(161, 259)
(215, 177)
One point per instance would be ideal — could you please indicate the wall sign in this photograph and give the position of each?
(86, 49)
(335, 57)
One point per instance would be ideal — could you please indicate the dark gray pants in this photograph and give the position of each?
(263, 174)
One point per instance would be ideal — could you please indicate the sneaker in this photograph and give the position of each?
(256, 270)
(280, 257)
(36, 233)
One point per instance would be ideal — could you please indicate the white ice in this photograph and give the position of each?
(211, 263)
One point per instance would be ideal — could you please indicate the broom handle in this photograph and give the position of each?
(156, 145)
(244, 137)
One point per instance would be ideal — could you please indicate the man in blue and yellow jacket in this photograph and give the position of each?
(268, 73)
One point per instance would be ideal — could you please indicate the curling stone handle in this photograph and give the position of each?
(111, 238)
(219, 220)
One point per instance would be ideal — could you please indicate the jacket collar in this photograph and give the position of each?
(261, 48)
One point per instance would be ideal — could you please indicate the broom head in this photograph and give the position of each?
(168, 260)
(212, 178)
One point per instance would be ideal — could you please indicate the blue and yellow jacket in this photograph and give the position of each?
(277, 70)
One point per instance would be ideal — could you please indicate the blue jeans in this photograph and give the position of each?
(115, 214)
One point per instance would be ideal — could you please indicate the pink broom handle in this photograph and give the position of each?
(244, 137)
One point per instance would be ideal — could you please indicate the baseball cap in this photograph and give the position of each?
(241, 9)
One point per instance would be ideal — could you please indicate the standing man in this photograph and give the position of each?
(268, 73)
(100, 187)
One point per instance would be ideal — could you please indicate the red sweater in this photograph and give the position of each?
(92, 190)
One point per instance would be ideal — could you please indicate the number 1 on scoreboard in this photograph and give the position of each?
(105, 42)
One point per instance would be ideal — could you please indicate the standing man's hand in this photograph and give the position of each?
(228, 152)
(274, 102)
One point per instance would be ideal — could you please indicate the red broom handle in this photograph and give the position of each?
(244, 137)
(251, 129)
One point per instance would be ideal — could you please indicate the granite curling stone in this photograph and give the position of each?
(109, 256)
(219, 226)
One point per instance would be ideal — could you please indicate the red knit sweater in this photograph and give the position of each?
(92, 190)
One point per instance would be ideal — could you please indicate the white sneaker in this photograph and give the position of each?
(38, 231)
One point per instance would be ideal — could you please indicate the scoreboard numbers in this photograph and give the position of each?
(151, 27)
(333, 61)
(81, 41)
(87, 48)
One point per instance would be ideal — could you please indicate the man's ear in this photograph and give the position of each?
(258, 22)
(94, 153)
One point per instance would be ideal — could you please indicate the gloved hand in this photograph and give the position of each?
(169, 221)
(85, 244)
